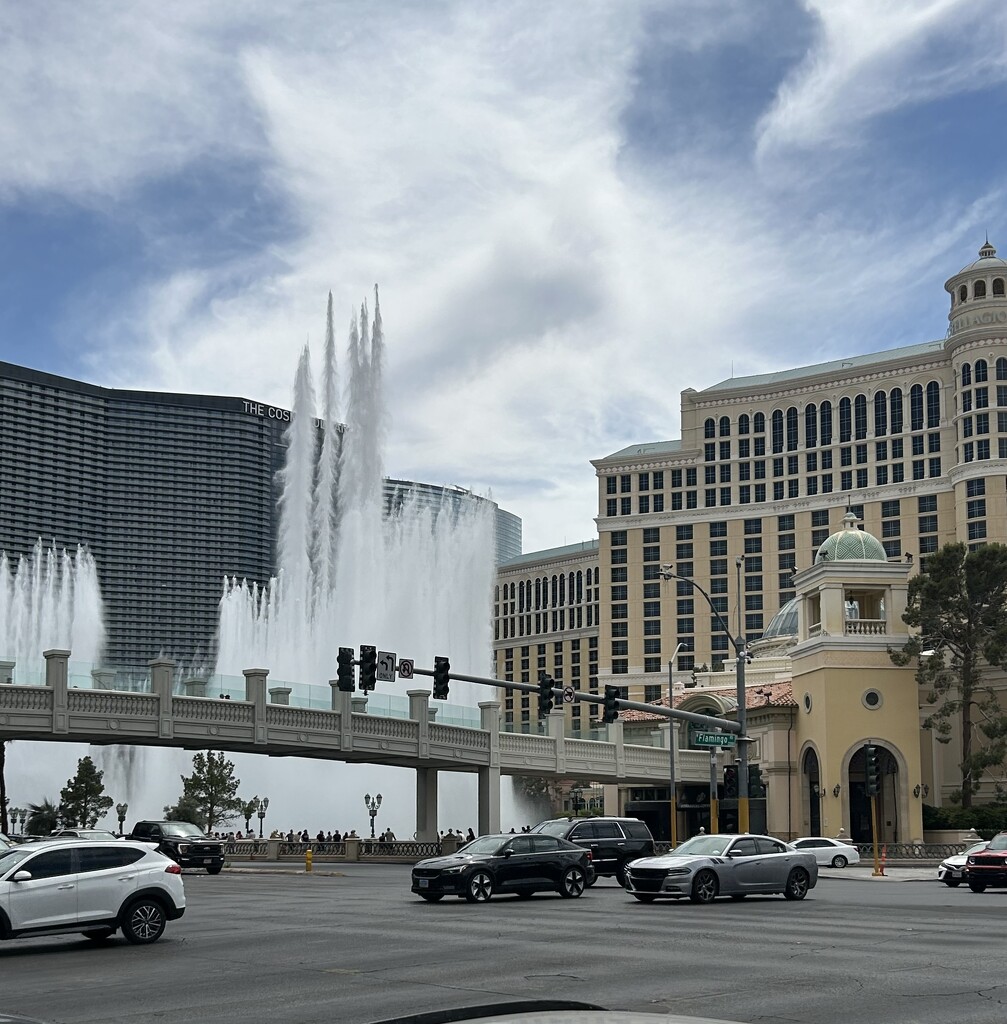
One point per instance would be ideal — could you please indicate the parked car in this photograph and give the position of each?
(613, 842)
(5, 843)
(522, 864)
(183, 842)
(988, 867)
(83, 833)
(832, 853)
(709, 866)
(954, 870)
(88, 886)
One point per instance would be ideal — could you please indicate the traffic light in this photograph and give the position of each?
(755, 784)
(545, 702)
(442, 675)
(730, 782)
(611, 712)
(872, 769)
(344, 670)
(368, 667)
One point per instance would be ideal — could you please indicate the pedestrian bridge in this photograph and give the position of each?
(265, 723)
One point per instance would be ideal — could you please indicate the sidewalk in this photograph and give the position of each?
(864, 872)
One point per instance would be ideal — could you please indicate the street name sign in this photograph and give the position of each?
(714, 739)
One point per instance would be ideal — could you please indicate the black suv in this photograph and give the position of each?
(613, 842)
(184, 843)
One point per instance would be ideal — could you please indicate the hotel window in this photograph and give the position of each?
(620, 647)
(933, 442)
(934, 403)
(845, 420)
(759, 423)
(935, 464)
(810, 426)
(881, 475)
(826, 460)
(861, 454)
(861, 478)
(620, 556)
(643, 504)
(793, 488)
(976, 508)
(760, 446)
(652, 627)
(846, 480)
(653, 554)
(792, 465)
(652, 535)
(860, 417)
(753, 526)
(658, 480)
(825, 422)
(881, 451)
(811, 462)
(778, 491)
(619, 574)
(968, 452)
(718, 567)
(977, 530)
(718, 548)
(928, 502)
(918, 444)
(982, 426)
(710, 428)
(676, 501)
(658, 503)
(928, 545)
(651, 609)
(792, 439)
(625, 506)
(725, 426)
(692, 499)
(610, 485)
(753, 602)
(725, 473)
(725, 449)
(982, 371)
(710, 497)
(895, 407)
(753, 545)
(982, 398)
(743, 423)
(643, 481)
(676, 478)
(760, 492)
(686, 626)
(683, 532)
(785, 522)
(787, 542)
(626, 483)
(619, 538)
(967, 426)
(744, 447)
(928, 524)
(651, 590)
(846, 456)
(777, 467)
(620, 593)
(1001, 366)
(611, 507)
(916, 407)
(725, 495)
(891, 528)
(919, 468)
(709, 452)
(778, 431)
(620, 629)
(690, 477)
(753, 583)
(982, 451)
(880, 414)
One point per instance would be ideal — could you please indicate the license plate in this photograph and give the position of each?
(208, 860)
(423, 883)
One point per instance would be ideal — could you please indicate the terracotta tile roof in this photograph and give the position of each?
(764, 695)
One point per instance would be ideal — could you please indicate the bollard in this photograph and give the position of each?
(307, 859)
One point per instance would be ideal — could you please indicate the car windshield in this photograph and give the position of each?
(183, 829)
(978, 848)
(487, 844)
(998, 843)
(702, 846)
(13, 856)
(552, 828)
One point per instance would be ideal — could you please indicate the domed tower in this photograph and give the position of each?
(974, 408)
(849, 693)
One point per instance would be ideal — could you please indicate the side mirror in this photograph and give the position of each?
(508, 852)
(24, 875)
(737, 853)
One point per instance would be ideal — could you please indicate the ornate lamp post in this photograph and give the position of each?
(120, 810)
(372, 808)
(23, 816)
(248, 812)
(263, 804)
(14, 813)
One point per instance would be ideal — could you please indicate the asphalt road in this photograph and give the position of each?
(357, 947)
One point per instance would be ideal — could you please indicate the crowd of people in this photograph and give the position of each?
(336, 836)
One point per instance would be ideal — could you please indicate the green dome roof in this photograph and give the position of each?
(784, 622)
(851, 545)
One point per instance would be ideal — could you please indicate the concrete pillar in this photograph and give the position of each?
(556, 727)
(426, 805)
(162, 678)
(102, 678)
(489, 777)
(56, 672)
(195, 687)
(341, 703)
(255, 693)
(358, 705)
(279, 695)
(6, 672)
(420, 713)
(615, 736)
(352, 849)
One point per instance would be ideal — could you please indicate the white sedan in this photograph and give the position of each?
(833, 853)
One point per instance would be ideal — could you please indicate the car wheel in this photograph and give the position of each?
(480, 888)
(644, 897)
(214, 869)
(953, 882)
(620, 873)
(143, 921)
(593, 879)
(572, 883)
(704, 887)
(798, 883)
(98, 934)
(432, 897)
(839, 861)
(977, 886)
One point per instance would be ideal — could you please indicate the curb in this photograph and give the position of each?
(282, 871)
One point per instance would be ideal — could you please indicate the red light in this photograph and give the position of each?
(589, 857)
(172, 869)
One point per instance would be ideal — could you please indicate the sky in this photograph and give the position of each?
(574, 210)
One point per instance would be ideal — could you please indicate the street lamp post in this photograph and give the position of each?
(261, 812)
(23, 816)
(372, 808)
(15, 813)
(120, 810)
(741, 654)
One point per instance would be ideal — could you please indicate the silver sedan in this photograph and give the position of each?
(706, 867)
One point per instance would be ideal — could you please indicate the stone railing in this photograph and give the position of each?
(27, 698)
(865, 627)
(459, 736)
(525, 744)
(302, 718)
(372, 848)
(112, 702)
(918, 853)
(647, 757)
(203, 709)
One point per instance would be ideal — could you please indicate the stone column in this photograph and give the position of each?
(358, 705)
(426, 805)
(279, 695)
(56, 671)
(195, 687)
(352, 848)
(341, 703)
(255, 693)
(489, 777)
(162, 674)
(615, 736)
(419, 712)
(6, 672)
(556, 727)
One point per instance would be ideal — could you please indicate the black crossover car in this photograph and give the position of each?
(522, 864)
(613, 842)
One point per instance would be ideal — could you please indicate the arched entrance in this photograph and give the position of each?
(860, 802)
(813, 789)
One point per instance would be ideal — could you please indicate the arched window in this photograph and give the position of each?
(561, 598)
(966, 374)
(860, 417)
(759, 423)
(725, 426)
(895, 405)
(880, 414)
(710, 428)
(810, 426)
(982, 371)
(825, 421)
(998, 286)
(979, 290)
(1002, 368)
(963, 293)
(933, 404)
(792, 429)
(743, 423)
(845, 420)
(554, 592)
(778, 430)
(580, 585)
(916, 407)
(496, 593)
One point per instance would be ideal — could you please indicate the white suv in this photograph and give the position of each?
(79, 885)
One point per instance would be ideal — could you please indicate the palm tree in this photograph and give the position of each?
(43, 818)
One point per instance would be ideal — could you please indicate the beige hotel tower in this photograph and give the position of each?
(906, 447)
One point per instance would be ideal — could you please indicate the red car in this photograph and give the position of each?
(989, 867)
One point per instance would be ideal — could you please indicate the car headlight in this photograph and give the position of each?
(453, 871)
(972, 860)
(183, 847)
(678, 871)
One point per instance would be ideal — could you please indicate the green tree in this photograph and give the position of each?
(958, 605)
(42, 818)
(248, 810)
(185, 810)
(82, 800)
(212, 789)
